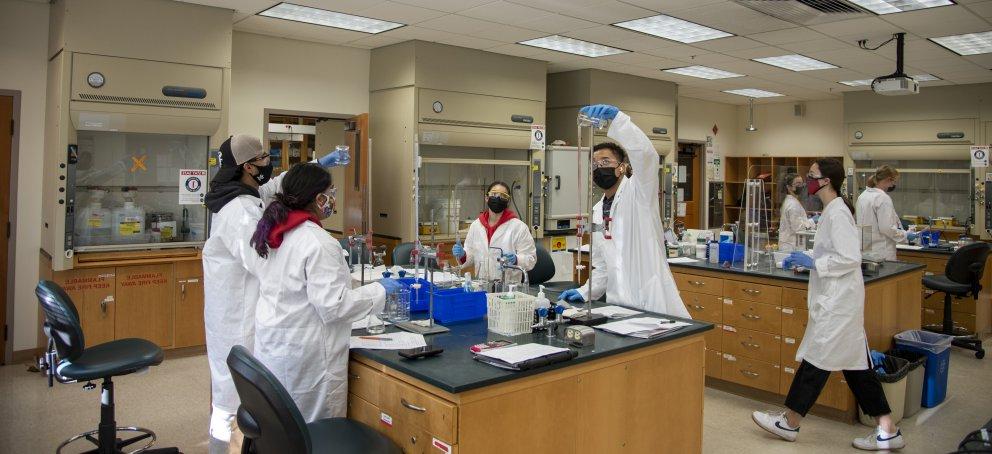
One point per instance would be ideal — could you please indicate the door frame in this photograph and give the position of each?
(700, 183)
(6, 355)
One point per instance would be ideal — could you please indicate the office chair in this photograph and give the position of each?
(346, 247)
(68, 361)
(544, 270)
(401, 256)
(272, 422)
(962, 277)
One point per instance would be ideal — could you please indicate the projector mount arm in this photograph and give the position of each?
(900, 39)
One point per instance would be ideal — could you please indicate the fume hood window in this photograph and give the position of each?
(928, 192)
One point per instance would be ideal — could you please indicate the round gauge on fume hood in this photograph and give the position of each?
(437, 106)
(95, 79)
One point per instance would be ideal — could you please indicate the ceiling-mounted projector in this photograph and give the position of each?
(897, 83)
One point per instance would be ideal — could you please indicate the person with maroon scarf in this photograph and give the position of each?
(497, 231)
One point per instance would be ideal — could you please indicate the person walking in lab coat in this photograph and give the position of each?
(497, 227)
(241, 188)
(793, 216)
(628, 258)
(835, 336)
(876, 210)
(306, 304)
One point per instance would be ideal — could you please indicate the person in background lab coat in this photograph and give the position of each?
(628, 258)
(793, 216)
(875, 209)
(239, 191)
(497, 226)
(835, 336)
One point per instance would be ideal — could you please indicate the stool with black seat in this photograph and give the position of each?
(272, 422)
(67, 360)
(962, 277)
(544, 270)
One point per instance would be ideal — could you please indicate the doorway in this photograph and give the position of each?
(7, 128)
(688, 187)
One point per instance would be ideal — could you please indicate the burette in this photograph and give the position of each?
(581, 227)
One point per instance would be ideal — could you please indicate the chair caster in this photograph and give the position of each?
(120, 443)
(980, 354)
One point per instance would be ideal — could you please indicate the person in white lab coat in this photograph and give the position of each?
(875, 209)
(306, 304)
(835, 336)
(792, 217)
(497, 227)
(238, 192)
(628, 257)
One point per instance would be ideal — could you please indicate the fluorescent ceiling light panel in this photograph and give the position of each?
(753, 93)
(703, 72)
(925, 77)
(572, 46)
(673, 28)
(867, 82)
(898, 6)
(969, 44)
(795, 62)
(327, 18)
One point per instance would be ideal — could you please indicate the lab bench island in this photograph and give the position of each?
(760, 318)
(622, 394)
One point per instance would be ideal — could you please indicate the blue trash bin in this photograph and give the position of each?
(937, 348)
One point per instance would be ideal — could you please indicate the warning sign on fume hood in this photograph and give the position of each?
(980, 157)
(192, 186)
(537, 137)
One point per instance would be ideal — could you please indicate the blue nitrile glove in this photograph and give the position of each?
(912, 236)
(511, 258)
(572, 295)
(798, 259)
(458, 251)
(391, 285)
(600, 111)
(878, 359)
(335, 158)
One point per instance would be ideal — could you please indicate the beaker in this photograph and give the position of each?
(584, 121)
(398, 306)
(375, 324)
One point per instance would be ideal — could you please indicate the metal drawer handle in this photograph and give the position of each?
(354, 376)
(412, 406)
(104, 303)
(752, 317)
(750, 344)
(748, 373)
(698, 307)
(751, 291)
(696, 283)
(413, 440)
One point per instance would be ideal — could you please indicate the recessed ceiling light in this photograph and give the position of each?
(925, 77)
(753, 93)
(703, 72)
(795, 62)
(969, 44)
(317, 16)
(572, 46)
(867, 82)
(673, 28)
(898, 6)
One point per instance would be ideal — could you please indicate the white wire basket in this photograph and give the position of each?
(510, 318)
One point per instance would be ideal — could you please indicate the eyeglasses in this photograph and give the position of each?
(605, 162)
(332, 192)
(499, 195)
(814, 177)
(261, 158)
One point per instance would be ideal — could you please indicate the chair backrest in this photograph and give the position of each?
(346, 247)
(62, 323)
(967, 264)
(401, 256)
(267, 416)
(544, 268)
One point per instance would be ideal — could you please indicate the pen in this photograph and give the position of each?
(375, 338)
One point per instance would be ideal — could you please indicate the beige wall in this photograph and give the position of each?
(276, 73)
(24, 34)
(780, 133)
(697, 118)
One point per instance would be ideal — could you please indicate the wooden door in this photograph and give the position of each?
(352, 196)
(189, 304)
(6, 145)
(144, 303)
(689, 184)
(92, 292)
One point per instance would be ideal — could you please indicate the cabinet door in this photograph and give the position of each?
(145, 296)
(189, 312)
(92, 292)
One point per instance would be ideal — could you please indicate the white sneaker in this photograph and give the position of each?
(876, 441)
(775, 423)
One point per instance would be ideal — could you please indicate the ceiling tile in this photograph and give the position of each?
(676, 51)
(455, 23)
(504, 12)
(520, 50)
(342, 6)
(639, 59)
(469, 41)
(984, 60)
(371, 42)
(608, 12)
(506, 33)
(983, 9)
(646, 43)
(451, 6)
(733, 18)
(326, 34)
(838, 74)
(818, 45)
(727, 44)
(922, 49)
(713, 60)
(973, 80)
(414, 32)
(757, 52)
(872, 28)
(943, 21)
(666, 6)
(557, 5)
(788, 35)
(398, 12)
(749, 67)
(555, 23)
(603, 34)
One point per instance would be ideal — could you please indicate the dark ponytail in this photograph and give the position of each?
(834, 170)
(299, 189)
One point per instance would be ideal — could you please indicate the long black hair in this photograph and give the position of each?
(834, 170)
(300, 187)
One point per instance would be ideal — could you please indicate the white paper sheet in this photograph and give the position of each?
(615, 311)
(909, 247)
(389, 341)
(682, 260)
(642, 327)
(520, 353)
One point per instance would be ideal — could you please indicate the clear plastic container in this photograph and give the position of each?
(129, 223)
(94, 221)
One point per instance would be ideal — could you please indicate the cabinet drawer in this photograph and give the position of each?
(769, 294)
(794, 322)
(752, 315)
(411, 438)
(363, 381)
(793, 297)
(752, 344)
(707, 308)
(936, 302)
(714, 338)
(364, 412)
(750, 372)
(699, 284)
(423, 409)
(790, 346)
(714, 360)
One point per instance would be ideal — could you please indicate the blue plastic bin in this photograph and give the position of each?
(937, 348)
(457, 305)
(420, 299)
(731, 252)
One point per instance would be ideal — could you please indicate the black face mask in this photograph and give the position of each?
(497, 204)
(891, 188)
(605, 177)
(264, 174)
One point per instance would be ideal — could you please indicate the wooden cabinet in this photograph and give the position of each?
(752, 315)
(144, 303)
(92, 291)
(699, 284)
(708, 308)
(974, 315)
(752, 344)
(751, 372)
(189, 329)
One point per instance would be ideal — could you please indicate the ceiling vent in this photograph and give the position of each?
(807, 12)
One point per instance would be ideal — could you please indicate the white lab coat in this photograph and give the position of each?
(229, 290)
(306, 305)
(875, 209)
(631, 267)
(835, 334)
(512, 236)
(792, 220)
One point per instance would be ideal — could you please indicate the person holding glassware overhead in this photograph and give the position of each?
(793, 215)
(875, 209)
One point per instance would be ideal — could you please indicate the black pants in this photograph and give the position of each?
(809, 382)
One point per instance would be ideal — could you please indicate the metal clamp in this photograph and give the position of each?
(748, 373)
(412, 406)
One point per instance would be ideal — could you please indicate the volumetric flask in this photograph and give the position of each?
(398, 306)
